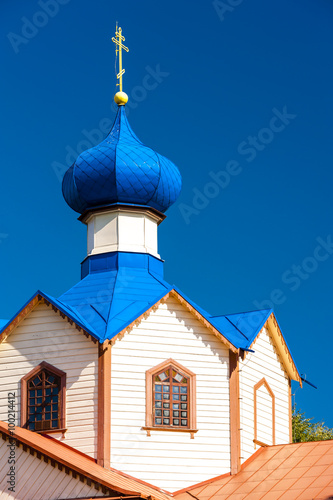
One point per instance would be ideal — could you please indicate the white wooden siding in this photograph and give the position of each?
(264, 362)
(37, 480)
(45, 336)
(170, 460)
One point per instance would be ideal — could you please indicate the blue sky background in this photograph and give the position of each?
(223, 74)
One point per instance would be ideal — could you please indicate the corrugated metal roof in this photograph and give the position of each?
(85, 465)
(301, 471)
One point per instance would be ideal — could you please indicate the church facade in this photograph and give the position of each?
(123, 382)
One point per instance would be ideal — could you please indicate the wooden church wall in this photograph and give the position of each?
(45, 336)
(171, 460)
(264, 393)
(37, 480)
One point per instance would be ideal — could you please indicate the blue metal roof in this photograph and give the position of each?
(121, 169)
(112, 299)
(119, 287)
(241, 329)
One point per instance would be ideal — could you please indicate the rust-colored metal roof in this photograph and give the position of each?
(84, 465)
(302, 471)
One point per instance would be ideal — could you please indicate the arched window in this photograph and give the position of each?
(43, 398)
(171, 397)
(264, 413)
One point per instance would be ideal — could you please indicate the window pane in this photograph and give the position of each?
(176, 397)
(158, 404)
(158, 396)
(166, 421)
(166, 405)
(184, 406)
(47, 416)
(176, 413)
(39, 392)
(166, 413)
(163, 376)
(166, 396)
(158, 388)
(175, 406)
(183, 390)
(179, 377)
(48, 392)
(175, 388)
(158, 413)
(54, 424)
(184, 414)
(158, 421)
(176, 422)
(166, 388)
(184, 422)
(183, 398)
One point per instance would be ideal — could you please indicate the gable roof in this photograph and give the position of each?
(82, 464)
(290, 471)
(106, 303)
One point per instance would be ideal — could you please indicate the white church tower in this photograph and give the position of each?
(125, 368)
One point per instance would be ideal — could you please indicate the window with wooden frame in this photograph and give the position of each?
(170, 398)
(43, 397)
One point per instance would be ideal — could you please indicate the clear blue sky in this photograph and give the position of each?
(217, 80)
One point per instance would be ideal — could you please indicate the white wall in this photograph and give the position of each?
(122, 231)
(37, 480)
(263, 363)
(170, 460)
(45, 336)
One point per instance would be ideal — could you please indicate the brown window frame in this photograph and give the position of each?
(62, 396)
(192, 420)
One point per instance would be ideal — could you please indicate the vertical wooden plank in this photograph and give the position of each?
(234, 413)
(290, 413)
(104, 405)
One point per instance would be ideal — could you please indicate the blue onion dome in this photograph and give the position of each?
(121, 169)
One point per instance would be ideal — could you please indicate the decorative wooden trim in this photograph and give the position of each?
(169, 429)
(189, 307)
(24, 400)
(260, 443)
(104, 405)
(290, 412)
(257, 386)
(39, 299)
(280, 345)
(20, 317)
(149, 397)
(235, 443)
(203, 320)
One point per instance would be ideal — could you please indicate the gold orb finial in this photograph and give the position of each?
(121, 98)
